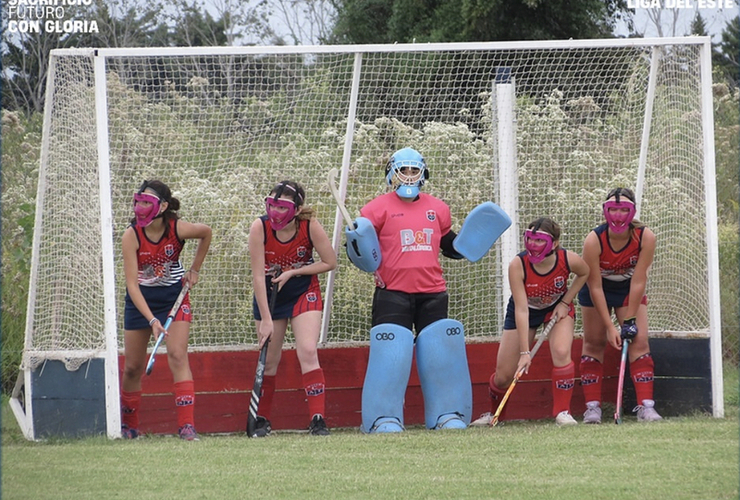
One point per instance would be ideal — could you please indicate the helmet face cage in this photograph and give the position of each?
(405, 184)
(618, 219)
(536, 250)
(144, 213)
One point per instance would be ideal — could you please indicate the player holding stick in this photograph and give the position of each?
(399, 237)
(538, 278)
(619, 253)
(151, 248)
(285, 238)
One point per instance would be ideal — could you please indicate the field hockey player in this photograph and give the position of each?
(619, 252)
(155, 276)
(285, 238)
(538, 278)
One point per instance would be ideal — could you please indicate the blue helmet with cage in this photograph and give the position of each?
(406, 172)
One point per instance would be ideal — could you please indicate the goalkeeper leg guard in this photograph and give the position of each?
(386, 379)
(442, 364)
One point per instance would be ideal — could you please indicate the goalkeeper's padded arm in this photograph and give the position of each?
(363, 247)
(448, 250)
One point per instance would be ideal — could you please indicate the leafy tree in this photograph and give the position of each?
(728, 48)
(405, 21)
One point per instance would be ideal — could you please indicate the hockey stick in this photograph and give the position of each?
(168, 322)
(519, 374)
(254, 403)
(332, 179)
(620, 385)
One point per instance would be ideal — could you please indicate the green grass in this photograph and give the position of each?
(681, 458)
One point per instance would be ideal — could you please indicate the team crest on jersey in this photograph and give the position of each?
(169, 250)
(633, 260)
(301, 251)
(311, 297)
(559, 282)
(431, 215)
(185, 309)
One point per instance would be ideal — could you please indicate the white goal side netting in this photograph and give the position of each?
(222, 127)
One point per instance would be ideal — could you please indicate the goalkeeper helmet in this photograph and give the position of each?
(406, 172)
(619, 212)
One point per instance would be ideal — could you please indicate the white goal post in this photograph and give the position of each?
(541, 128)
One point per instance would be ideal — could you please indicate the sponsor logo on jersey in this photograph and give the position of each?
(431, 215)
(416, 241)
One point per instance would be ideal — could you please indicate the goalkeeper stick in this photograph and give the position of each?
(168, 322)
(620, 385)
(332, 179)
(254, 403)
(519, 374)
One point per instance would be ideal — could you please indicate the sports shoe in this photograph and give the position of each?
(262, 427)
(187, 432)
(129, 433)
(317, 427)
(646, 411)
(564, 419)
(592, 415)
(483, 420)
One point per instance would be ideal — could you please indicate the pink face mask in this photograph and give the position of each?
(146, 208)
(280, 212)
(619, 219)
(538, 245)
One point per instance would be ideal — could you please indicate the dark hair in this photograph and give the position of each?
(547, 225)
(622, 191)
(296, 192)
(165, 194)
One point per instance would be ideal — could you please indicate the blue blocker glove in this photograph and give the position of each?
(629, 329)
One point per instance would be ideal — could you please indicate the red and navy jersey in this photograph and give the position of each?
(545, 290)
(618, 265)
(159, 261)
(292, 254)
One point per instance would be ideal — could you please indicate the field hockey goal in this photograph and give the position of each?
(540, 128)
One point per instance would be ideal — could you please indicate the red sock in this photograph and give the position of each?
(496, 395)
(592, 375)
(185, 402)
(563, 380)
(268, 391)
(315, 386)
(642, 371)
(130, 403)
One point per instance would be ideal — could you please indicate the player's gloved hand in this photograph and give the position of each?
(629, 329)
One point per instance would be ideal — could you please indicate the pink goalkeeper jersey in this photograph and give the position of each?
(409, 236)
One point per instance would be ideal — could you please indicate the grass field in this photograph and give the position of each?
(681, 458)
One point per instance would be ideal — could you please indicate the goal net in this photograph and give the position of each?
(540, 128)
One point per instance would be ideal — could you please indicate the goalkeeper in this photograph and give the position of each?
(155, 276)
(619, 252)
(407, 229)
